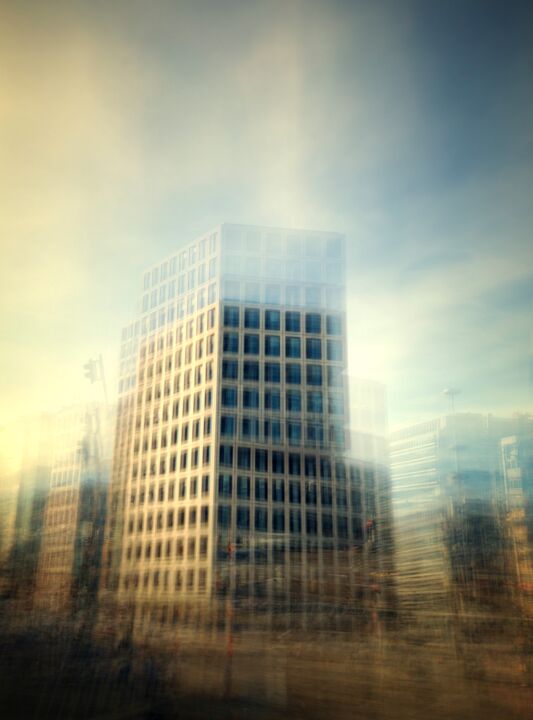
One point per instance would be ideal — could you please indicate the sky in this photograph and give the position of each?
(127, 128)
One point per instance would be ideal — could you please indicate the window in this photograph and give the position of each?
(272, 400)
(293, 401)
(336, 404)
(204, 514)
(261, 519)
(251, 318)
(272, 319)
(334, 376)
(243, 518)
(205, 485)
(229, 397)
(250, 428)
(326, 495)
(325, 468)
(293, 374)
(295, 464)
(313, 323)
(314, 375)
(224, 515)
(231, 342)
(334, 350)
(243, 487)
(251, 370)
(292, 322)
(272, 345)
(310, 466)
(272, 372)
(224, 485)
(315, 434)
(327, 525)
(261, 460)
(333, 325)
(342, 499)
(230, 369)
(342, 526)
(293, 347)
(313, 349)
(231, 316)
(250, 398)
(273, 294)
(272, 430)
(226, 455)
(310, 494)
(278, 462)
(244, 458)
(294, 433)
(278, 491)
(314, 402)
(295, 521)
(261, 490)
(295, 494)
(251, 344)
(278, 521)
(340, 472)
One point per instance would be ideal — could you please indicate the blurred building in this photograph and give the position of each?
(74, 515)
(231, 479)
(31, 495)
(369, 442)
(8, 516)
(448, 501)
(517, 462)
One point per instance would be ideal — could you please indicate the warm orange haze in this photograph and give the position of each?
(266, 431)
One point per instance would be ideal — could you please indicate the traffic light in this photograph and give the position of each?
(89, 370)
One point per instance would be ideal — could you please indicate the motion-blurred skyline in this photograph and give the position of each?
(128, 130)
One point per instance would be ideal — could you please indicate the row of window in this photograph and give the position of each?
(189, 431)
(181, 357)
(197, 376)
(270, 372)
(184, 307)
(293, 321)
(251, 429)
(161, 580)
(170, 491)
(314, 400)
(272, 346)
(276, 243)
(188, 458)
(169, 549)
(185, 282)
(186, 331)
(279, 491)
(163, 412)
(276, 521)
(331, 298)
(179, 262)
(169, 520)
(276, 461)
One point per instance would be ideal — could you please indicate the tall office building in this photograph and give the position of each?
(230, 477)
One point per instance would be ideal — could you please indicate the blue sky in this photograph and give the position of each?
(129, 127)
